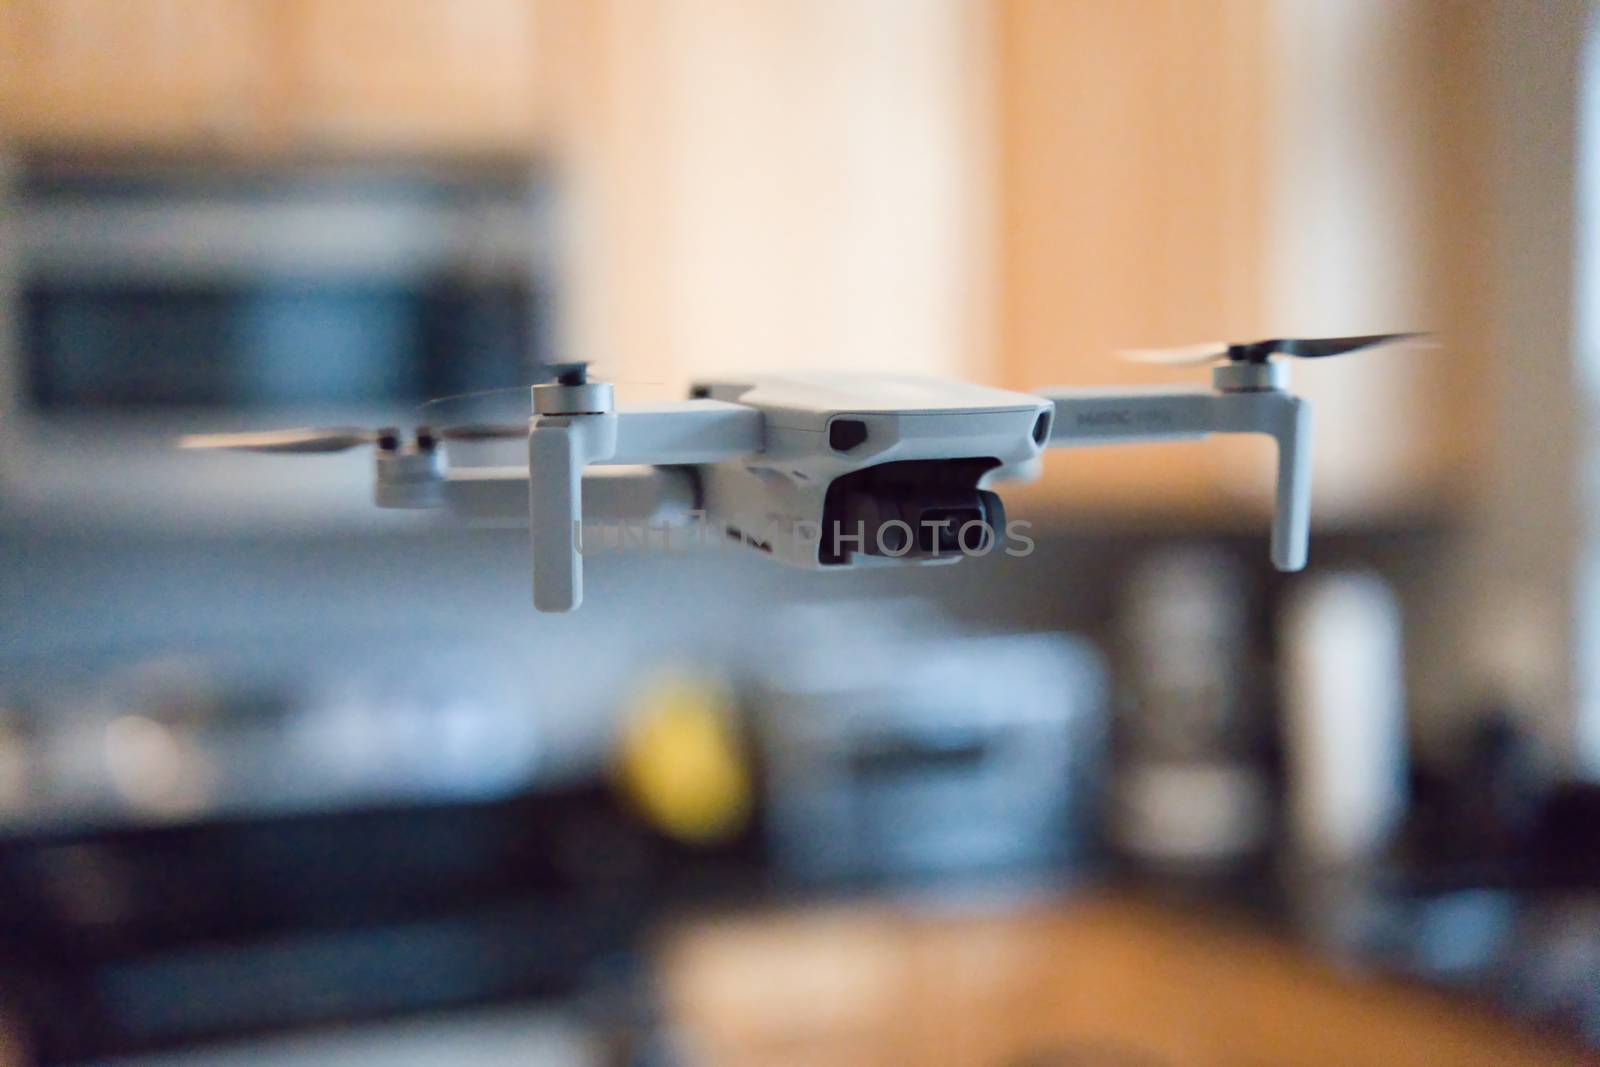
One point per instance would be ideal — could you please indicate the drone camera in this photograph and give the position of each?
(911, 509)
(971, 528)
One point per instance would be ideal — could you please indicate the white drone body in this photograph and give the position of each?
(887, 461)
(824, 472)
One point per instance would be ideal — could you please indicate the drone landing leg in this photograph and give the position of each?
(561, 446)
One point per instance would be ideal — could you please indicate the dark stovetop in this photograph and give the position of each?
(118, 941)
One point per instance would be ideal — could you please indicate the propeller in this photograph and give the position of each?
(1261, 351)
(304, 439)
(328, 439)
(311, 439)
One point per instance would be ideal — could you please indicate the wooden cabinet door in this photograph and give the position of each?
(411, 75)
(1131, 177)
(145, 73)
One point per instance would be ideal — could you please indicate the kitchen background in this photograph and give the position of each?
(285, 778)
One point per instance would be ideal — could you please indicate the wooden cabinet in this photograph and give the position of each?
(1173, 172)
(133, 73)
(410, 75)
(267, 76)
(1004, 191)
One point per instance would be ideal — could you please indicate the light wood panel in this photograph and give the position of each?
(789, 185)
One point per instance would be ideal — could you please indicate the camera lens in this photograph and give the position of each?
(939, 530)
(915, 509)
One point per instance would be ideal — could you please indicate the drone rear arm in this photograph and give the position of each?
(1097, 417)
(652, 496)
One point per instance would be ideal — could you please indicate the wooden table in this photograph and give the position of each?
(1078, 984)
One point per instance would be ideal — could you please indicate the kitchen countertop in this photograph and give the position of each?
(1098, 979)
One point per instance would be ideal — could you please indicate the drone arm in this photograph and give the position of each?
(1285, 418)
(656, 496)
(561, 446)
(1093, 416)
(1124, 416)
(696, 431)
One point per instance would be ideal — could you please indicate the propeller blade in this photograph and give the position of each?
(484, 432)
(307, 439)
(1261, 351)
(1319, 347)
(1181, 356)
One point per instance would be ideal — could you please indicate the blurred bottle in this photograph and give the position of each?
(1189, 790)
(1344, 725)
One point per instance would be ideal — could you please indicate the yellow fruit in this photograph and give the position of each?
(681, 763)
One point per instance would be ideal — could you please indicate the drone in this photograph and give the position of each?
(822, 471)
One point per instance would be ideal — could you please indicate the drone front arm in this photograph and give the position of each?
(1103, 416)
(686, 432)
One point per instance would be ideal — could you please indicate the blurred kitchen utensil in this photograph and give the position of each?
(1188, 789)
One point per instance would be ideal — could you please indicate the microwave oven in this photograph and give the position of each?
(138, 303)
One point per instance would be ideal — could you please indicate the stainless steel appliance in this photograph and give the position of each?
(896, 748)
(140, 302)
